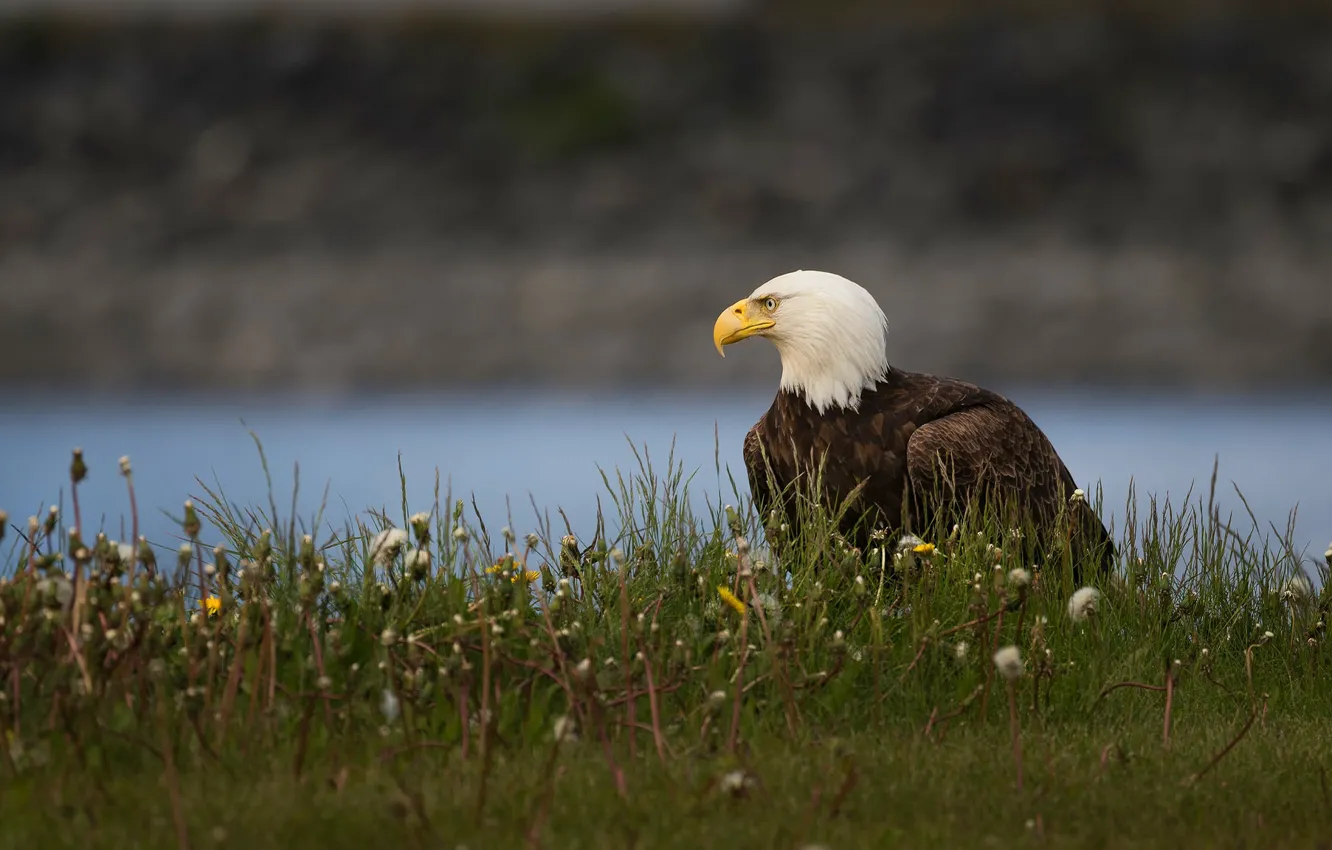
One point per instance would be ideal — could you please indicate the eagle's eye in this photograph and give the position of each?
(769, 303)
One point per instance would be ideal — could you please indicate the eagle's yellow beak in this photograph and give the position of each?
(742, 319)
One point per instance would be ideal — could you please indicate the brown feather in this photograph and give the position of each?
(925, 447)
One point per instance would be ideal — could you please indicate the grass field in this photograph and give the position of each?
(428, 679)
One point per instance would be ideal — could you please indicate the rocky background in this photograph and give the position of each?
(1102, 195)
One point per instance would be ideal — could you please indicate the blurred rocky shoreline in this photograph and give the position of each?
(415, 202)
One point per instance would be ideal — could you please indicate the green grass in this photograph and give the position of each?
(340, 700)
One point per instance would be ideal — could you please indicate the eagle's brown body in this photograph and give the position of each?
(925, 448)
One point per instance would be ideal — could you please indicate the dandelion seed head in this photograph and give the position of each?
(1019, 578)
(386, 544)
(565, 729)
(1297, 589)
(1083, 604)
(388, 705)
(736, 782)
(1008, 661)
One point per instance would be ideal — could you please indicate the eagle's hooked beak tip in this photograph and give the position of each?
(733, 325)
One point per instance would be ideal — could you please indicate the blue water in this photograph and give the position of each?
(510, 450)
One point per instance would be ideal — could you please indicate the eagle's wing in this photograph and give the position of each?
(991, 450)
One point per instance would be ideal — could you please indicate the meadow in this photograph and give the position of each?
(422, 676)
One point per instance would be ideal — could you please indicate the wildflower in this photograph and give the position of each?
(909, 543)
(124, 465)
(526, 576)
(388, 705)
(730, 598)
(460, 534)
(1019, 578)
(507, 534)
(923, 549)
(125, 551)
(212, 605)
(716, 698)
(1079, 495)
(386, 544)
(1008, 661)
(1082, 604)
(532, 540)
(961, 649)
(388, 637)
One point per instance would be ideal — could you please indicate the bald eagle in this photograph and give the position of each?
(920, 448)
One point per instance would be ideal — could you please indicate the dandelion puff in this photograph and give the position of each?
(386, 545)
(418, 559)
(1083, 604)
(388, 705)
(961, 649)
(584, 669)
(1008, 661)
(736, 782)
(1297, 589)
(565, 729)
(1019, 578)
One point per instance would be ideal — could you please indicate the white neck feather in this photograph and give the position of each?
(832, 339)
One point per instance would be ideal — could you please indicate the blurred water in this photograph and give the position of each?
(547, 448)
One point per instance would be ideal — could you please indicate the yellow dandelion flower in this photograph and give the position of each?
(494, 569)
(924, 549)
(212, 605)
(526, 576)
(730, 598)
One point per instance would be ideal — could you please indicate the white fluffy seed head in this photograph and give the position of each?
(1083, 604)
(1008, 662)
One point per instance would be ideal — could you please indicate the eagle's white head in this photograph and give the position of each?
(830, 333)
